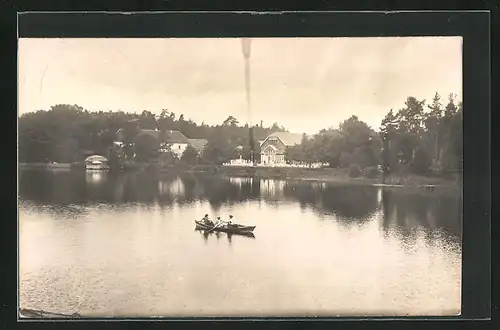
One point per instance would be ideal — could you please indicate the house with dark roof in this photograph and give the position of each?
(274, 145)
(171, 140)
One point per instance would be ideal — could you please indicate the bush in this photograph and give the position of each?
(370, 172)
(354, 171)
(190, 156)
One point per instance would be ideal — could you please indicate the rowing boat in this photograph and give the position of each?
(227, 228)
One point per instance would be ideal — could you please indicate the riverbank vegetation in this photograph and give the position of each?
(415, 142)
(411, 141)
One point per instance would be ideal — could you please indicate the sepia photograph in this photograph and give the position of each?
(240, 177)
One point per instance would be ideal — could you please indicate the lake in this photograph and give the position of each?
(125, 245)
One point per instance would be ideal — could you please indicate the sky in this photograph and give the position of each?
(304, 84)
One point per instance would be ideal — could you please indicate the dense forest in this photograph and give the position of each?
(417, 138)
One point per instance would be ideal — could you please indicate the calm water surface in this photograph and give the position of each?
(125, 245)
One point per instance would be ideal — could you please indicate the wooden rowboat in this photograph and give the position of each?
(207, 233)
(227, 228)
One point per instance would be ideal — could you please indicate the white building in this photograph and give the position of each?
(272, 149)
(96, 163)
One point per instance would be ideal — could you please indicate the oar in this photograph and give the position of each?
(215, 226)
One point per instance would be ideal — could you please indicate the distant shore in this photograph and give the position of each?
(277, 173)
(336, 176)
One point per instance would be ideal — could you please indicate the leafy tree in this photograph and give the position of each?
(146, 148)
(433, 133)
(423, 141)
(166, 156)
(422, 161)
(190, 156)
(214, 154)
(230, 121)
(147, 120)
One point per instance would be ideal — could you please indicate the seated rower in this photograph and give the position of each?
(230, 218)
(207, 221)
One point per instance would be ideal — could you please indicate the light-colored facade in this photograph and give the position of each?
(178, 148)
(273, 147)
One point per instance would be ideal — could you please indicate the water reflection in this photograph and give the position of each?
(123, 244)
(350, 205)
(407, 213)
(229, 236)
(96, 177)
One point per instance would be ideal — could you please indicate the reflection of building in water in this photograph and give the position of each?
(272, 188)
(96, 177)
(175, 187)
(240, 181)
(379, 195)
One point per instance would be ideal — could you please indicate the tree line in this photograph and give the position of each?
(417, 138)
(69, 133)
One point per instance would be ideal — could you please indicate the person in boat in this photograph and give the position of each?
(230, 222)
(207, 221)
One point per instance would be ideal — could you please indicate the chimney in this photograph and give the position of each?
(261, 123)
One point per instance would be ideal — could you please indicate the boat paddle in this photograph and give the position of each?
(215, 226)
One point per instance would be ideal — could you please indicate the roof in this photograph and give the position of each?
(94, 158)
(168, 136)
(198, 144)
(151, 132)
(171, 136)
(288, 139)
(270, 146)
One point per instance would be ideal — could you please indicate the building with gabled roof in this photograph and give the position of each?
(170, 140)
(274, 145)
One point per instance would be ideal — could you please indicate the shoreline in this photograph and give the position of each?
(328, 175)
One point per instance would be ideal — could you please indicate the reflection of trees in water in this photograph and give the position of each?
(410, 212)
(205, 234)
(347, 202)
(55, 192)
(167, 189)
(224, 191)
(350, 202)
(52, 187)
(405, 211)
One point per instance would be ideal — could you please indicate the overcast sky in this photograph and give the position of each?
(305, 84)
